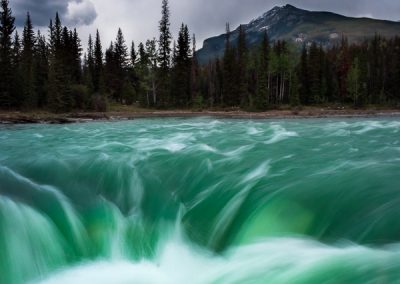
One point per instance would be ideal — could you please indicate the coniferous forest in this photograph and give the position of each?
(53, 72)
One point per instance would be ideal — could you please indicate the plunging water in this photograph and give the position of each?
(201, 201)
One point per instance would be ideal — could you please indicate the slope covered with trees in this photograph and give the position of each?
(52, 71)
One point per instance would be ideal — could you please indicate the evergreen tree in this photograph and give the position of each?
(194, 73)
(164, 55)
(315, 74)
(397, 69)
(280, 70)
(152, 57)
(165, 38)
(229, 97)
(133, 73)
(59, 83)
(294, 91)
(133, 55)
(262, 95)
(16, 50)
(98, 84)
(6, 67)
(110, 71)
(121, 51)
(17, 80)
(353, 81)
(27, 65)
(304, 90)
(143, 58)
(76, 54)
(41, 69)
(182, 69)
(142, 67)
(90, 64)
(121, 64)
(57, 33)
(66, 70)
(344, 64)
(241, 74)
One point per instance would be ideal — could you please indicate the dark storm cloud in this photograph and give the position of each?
(72, 12)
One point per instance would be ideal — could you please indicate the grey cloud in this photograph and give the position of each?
(72, 12)
(139, 18)
(81, 13)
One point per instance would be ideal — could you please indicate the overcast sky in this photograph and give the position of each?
(139, 18)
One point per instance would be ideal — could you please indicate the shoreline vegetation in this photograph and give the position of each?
(43, 117)
(46, 78)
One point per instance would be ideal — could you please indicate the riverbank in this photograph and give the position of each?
(15, 117)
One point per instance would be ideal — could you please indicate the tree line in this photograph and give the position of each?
(53, 72)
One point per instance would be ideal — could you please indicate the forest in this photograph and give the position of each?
(52, 72)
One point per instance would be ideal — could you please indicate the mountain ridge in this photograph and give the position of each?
(302, 27)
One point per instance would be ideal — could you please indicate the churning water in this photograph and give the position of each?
(201, 201)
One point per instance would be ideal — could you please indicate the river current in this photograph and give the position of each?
(201, 201)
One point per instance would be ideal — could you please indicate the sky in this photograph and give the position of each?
(139, 19)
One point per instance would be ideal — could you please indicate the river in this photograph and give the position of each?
(201, 200)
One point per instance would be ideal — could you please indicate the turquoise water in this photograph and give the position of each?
(201, 201)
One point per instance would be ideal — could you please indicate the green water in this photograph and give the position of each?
(201, 201)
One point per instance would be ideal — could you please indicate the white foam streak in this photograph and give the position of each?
(284, 260)
(279, 134)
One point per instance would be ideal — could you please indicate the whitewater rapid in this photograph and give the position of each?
(202, 201)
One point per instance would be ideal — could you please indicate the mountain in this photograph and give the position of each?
(302, 26)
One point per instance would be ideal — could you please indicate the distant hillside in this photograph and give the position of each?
(302, 26)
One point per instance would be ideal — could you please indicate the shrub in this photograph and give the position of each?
(80, 95)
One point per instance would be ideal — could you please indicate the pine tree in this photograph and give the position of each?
(41, 69)
(6, 68)
(66, 71)
(110, 71)
(262, 95)
(133, 55)
(315, 74)
(27, 65)
(152, 57)
(142, 67)
(182, 69)
(241, 75)
(303, 74)
(164, 55)
(229, 97)
(397, 69)
(16, 50)
(219, 82)
(133, 73)
(98, 83)
(280, 69)
(59, 83)
(353, 81)
(121, 51)
(121, 61)
(294, 91)
(194, 84)
(344, 64)
(76, 54)
(17, 80)
(57, 34)
(165, 38)
(90, 64)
